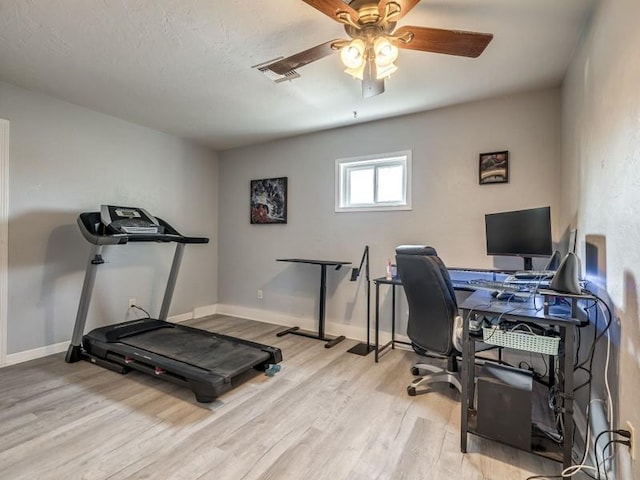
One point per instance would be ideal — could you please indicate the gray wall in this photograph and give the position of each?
(66, 159)
(601, 190)
(448, 204)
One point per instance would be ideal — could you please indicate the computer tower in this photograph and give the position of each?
(504, 405)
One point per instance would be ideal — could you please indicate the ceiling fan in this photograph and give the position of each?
(374, 42)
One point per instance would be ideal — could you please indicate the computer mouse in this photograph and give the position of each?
(504, 296)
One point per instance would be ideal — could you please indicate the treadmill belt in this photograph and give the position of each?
(222, 357)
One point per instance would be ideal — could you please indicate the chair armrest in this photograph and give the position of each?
(457, 333)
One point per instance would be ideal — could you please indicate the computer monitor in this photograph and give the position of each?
(573, 235)
(522, 233)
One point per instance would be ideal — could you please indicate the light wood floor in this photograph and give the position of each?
(328, 415)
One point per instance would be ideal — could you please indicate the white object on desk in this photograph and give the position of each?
(521, 340)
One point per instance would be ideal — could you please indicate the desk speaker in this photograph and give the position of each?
(566, 277)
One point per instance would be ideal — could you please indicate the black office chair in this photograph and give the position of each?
(434, 324)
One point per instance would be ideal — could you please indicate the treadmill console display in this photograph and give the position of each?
(129, 220)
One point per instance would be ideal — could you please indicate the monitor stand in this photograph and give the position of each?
(528, 263)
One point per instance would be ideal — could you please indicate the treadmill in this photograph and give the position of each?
(208, 363)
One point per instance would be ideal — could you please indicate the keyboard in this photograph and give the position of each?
(462, 285)
(500, 286)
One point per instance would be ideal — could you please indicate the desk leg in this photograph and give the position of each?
(393, 317)
(566, 366)
(323, 299)
(552, 369)
(377, 335)
(467, 380)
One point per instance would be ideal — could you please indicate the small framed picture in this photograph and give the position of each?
(269, 201)
(494, 167)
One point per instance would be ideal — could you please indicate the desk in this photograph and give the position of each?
(481, 303)
(323, 297)
(395, 282)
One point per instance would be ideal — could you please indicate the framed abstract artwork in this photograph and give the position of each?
(494, 167)
(268, 201)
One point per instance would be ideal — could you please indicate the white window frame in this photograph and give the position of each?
(344, 165)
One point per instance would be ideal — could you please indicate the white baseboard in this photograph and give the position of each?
(39, 352)
(204, 311)
(181, 317)
(25, 356)
(332, 327)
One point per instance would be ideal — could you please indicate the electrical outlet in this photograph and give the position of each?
(132, 302)
(260, 295)
(632, 439)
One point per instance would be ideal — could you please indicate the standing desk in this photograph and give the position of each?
(322, 303)
(482, 303)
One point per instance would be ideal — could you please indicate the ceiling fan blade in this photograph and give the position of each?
(449, 42)
(281, 67)
(396, 12)
(371, 86)
(332, 8)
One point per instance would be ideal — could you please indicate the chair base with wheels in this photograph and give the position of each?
(429, 374)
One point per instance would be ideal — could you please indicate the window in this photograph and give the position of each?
(375, 182)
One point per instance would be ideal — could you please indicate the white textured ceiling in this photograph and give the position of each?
(184, 66)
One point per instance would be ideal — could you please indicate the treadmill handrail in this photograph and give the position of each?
(94, 232)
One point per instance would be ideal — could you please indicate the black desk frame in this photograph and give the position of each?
(331, 341)
(394, 283)
(482, 303)
(381, 350)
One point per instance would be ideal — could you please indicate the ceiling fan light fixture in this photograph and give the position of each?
(352, 55)
(385, 52)
(357, 73)
(384, 72)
